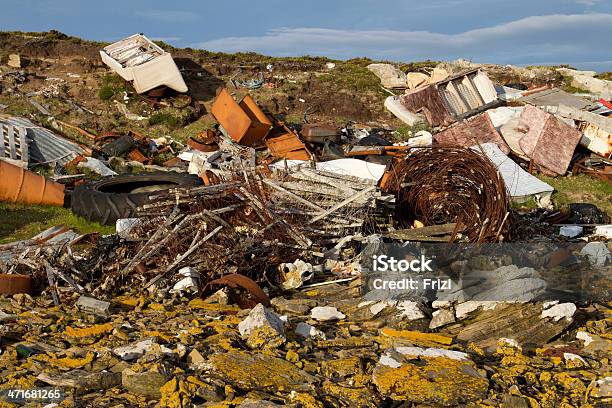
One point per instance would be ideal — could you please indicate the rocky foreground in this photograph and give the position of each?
(323, 346)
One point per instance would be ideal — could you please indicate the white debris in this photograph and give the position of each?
(506, 342)
(125, 228)
(330, 65)
(573, 357)
(560, 311)
(409, 310)
(307, 331)
(597, 253)
(585, 337)
(379, 307)
(604, 231)
(189, 282)
(295, 274)
(571, 231)
(133, 351)
(432, 352)
(97, 166)
(325, 313)
(549, 304)
(258, 318)
(462, 310)
(389, 361)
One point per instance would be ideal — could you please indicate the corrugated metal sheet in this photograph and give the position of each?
(44, 146)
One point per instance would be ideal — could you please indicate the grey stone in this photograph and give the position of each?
(146, 383)
(82, 380)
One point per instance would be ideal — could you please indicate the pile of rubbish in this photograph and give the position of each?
(240, 270)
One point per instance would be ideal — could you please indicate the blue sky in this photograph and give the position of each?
(577, 32)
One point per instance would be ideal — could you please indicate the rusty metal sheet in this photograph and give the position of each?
(288, 146)
(476, 130)
(549, 142)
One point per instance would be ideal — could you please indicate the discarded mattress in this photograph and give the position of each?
(22, 140)
(138, 59)
(549, 142)
(520, 184)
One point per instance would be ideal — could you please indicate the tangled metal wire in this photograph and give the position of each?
(453, 184)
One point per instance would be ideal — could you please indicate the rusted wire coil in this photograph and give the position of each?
(453, 184)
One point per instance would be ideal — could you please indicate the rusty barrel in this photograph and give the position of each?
(22, 186)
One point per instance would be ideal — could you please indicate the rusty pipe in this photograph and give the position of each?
(22, 186)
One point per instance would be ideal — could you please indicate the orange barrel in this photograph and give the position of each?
(18, 185)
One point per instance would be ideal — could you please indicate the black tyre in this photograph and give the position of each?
(112, 198)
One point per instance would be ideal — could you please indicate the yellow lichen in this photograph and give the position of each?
(423, 339)
(91, 331)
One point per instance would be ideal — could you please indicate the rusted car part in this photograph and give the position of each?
(244, 122)
(112, 198)
(235, 281)
(14, 284)
(455, 98)
(22, 186)
(285, 143)
(320, 133)
(594, 167)
(138, 59)
(452, 185)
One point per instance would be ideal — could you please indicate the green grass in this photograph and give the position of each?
(405, 132)
(567, 86)
(163, 118)
(580, 189)
(18, 222)
(605, 76)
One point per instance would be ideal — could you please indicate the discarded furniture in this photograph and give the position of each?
(138, 59)
(455, 98)
(244, 122)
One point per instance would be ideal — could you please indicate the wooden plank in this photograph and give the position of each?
(429, 233)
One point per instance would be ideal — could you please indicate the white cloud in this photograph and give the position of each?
(170, 16)
(579, 37)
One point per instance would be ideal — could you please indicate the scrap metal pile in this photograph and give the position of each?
(446, 185)
(240, 271)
